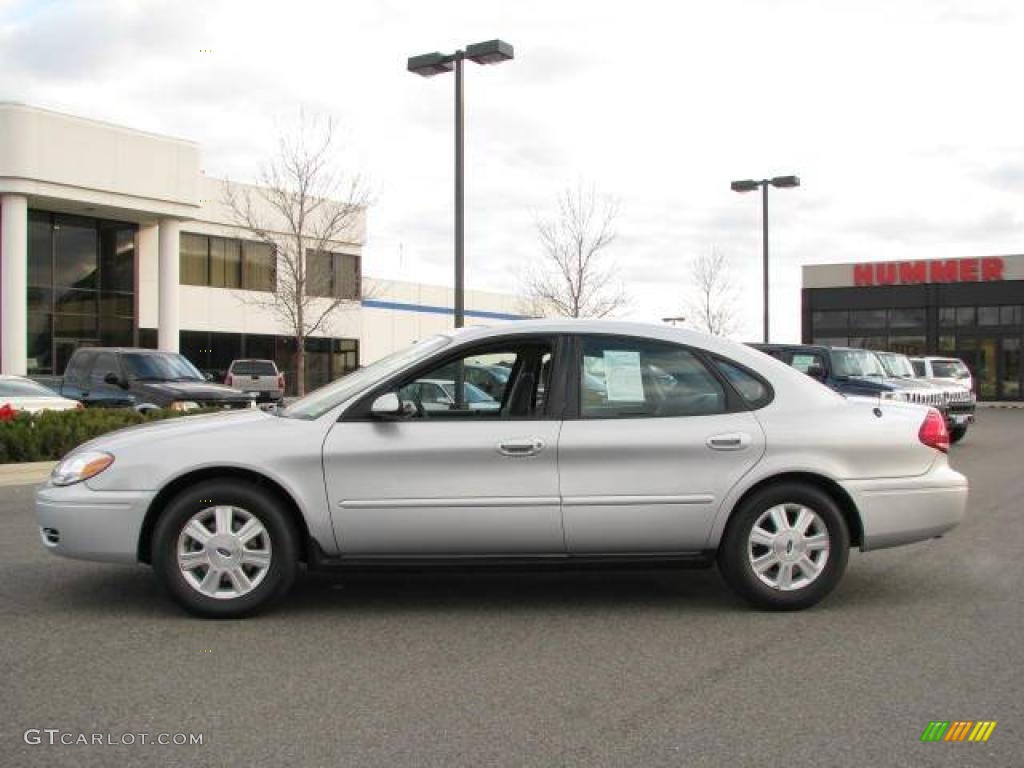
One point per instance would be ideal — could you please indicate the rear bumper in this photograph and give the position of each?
(76, 521)
(895, 511)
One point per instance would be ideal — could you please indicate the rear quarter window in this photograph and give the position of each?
(755, 391)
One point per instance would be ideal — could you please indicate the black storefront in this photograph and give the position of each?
(970, 308)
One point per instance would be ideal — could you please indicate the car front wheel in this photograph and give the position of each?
(225, 549)
(785, 548)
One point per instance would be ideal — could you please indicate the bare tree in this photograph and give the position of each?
(572, 279)
(304, 206)
(712, 308)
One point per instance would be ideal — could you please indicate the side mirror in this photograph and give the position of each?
(113, 380)
(816, 371)
(387, 406)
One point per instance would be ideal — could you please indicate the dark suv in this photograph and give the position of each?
(851, 371)
(143, 379)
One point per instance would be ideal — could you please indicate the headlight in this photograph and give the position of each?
(893, 395)
(184, 405)
(80, 466)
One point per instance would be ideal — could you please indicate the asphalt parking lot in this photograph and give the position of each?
(593, 668)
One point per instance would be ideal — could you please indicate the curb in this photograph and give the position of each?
(1002, 405)
(28, 473)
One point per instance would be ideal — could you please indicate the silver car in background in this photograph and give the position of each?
(613, 443)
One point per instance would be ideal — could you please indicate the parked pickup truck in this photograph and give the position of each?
(144, 379)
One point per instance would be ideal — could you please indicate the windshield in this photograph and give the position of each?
(320, 401)
(23, 388)
(856, 362)
(897, 365)
(950, 369)
(164, 367)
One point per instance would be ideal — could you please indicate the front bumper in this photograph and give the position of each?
(895, 511)
(76, 521)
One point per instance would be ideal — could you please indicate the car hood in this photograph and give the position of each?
(189, 390)
(201, 427)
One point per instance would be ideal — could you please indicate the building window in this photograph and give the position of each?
(837, 320)
(333, 275)
(219, 262)
(913, 317)
(988, 315)
(259, 266)
(864, 319)
(908, 345)
(831, 341)
(1010, 315)
(947, 316)
(964, 316)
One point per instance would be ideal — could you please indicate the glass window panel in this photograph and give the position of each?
(195, 345)
(947, 315)
(259, 270)
(319, 273)
(224, 348)
(646, 379)
(117, 304)
(40, 249)
(75, 302)
(832, 341)
(751, 389)
(117, 332)
(40, 299)
(988, 315)
(837, 320)
(232, 264)
(912, 317)
(867, 318)
(218, 258)
(117, 258)
(347, 278)
(75, 326)
(964, 316)
(909, 345)
(947, 344)
(1011, 368)
(193, 257)
(75, 252)
(40, 347)
(1009, 315)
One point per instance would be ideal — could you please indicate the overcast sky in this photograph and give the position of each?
(903, 119)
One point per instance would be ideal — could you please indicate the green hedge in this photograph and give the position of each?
(49, 435)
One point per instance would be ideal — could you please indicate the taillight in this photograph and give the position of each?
(280, 381)
(229, 380)
(933, 432)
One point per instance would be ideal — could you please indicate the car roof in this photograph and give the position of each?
(251, 360)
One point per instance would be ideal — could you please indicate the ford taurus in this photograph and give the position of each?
(608, 443)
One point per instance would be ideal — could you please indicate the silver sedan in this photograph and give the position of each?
(613, 443)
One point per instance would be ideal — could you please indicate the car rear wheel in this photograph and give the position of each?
(956, 434)
(225, 549)
(785, 548)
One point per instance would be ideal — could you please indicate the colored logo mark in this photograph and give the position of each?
(958, 730)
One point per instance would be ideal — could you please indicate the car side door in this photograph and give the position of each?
(449, 478)
(657, 438)
(102, 391)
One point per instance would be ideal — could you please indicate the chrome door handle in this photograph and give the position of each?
(529, 446)
(734, 441)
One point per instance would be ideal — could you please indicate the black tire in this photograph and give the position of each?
(257, 502)
(733, 554)
(956, 434)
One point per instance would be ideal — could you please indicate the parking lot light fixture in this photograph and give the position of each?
(750, 185)
(428, 65)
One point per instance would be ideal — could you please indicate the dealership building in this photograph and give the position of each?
(112, 236)
(971, 308)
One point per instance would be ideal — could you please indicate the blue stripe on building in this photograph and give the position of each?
(435, 310)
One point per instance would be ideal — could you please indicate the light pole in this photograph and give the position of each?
(749, 185)
(428, 65)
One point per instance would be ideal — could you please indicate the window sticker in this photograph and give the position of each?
(624, 381)
(803, 362)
